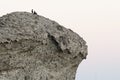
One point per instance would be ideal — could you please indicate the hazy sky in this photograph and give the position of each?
(97, 21)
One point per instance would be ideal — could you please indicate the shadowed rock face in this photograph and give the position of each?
(33, 47)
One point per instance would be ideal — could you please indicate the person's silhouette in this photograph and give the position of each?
(32, 10)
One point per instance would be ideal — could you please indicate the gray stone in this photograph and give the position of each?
(33, 47)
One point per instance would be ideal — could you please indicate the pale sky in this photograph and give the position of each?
(97, 21)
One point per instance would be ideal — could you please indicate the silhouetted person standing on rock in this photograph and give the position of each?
(32, 10)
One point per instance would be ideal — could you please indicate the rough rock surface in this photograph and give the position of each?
(33, 47)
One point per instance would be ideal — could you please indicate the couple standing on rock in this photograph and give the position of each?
(33, 11)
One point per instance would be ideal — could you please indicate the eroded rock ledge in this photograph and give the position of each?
(33, 47)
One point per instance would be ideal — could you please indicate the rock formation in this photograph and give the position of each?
(33, 47)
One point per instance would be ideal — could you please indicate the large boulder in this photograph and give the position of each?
(33, 47)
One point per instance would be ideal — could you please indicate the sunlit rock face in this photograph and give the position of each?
(33, 47)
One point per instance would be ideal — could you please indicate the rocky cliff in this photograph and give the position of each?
(33, 47)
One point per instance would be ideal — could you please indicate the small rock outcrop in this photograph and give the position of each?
(33, 47)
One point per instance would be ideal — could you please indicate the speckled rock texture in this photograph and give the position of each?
(33, 47)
